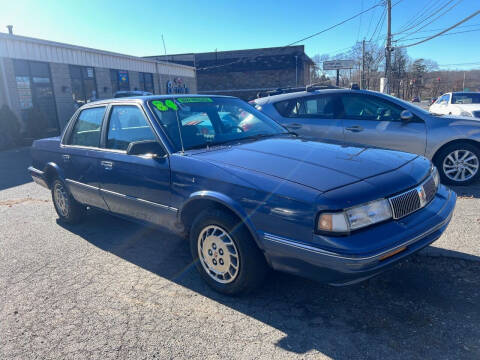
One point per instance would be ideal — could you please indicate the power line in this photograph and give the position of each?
(303, 39)
(454, 33)
(435, 19)
(442, 32)
(336, 25)
(438, 29)
(429, 7)
(435, 12)
(380, 20)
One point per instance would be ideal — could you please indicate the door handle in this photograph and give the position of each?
(293, 126)
(355, 128)
(66, 157)
(107, 165)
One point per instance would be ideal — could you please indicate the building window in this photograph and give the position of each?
(37, 101)
(146, 82)
(84, 87)
(120, 80)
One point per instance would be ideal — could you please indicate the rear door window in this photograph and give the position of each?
(87, 128)
(322, 107)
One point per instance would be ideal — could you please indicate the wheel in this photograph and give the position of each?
(67, 208)
(225, 253)
(458, 164)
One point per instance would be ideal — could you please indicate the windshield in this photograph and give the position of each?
(206, 121)
(465, 98)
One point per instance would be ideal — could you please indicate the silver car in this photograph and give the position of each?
(376, 119)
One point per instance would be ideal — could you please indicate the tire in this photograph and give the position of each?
(68, 209)
(452, 161)
(219, 242)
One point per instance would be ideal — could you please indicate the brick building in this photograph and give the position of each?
(244, 73)
(54, 79)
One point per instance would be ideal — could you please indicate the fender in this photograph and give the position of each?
(226, 201)
(57, 170)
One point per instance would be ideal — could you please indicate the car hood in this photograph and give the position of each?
(321, 166)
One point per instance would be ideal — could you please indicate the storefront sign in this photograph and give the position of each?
(177, 86)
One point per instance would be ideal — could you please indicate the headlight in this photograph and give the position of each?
(356, 217)
(465, 113)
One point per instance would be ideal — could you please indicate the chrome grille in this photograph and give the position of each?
(405, 203)
(412, 200)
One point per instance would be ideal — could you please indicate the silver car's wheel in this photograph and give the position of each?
(61, 199)
(460, 165)
(218, 254)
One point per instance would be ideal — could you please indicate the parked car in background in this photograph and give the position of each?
(246, 197)
(458, 103)
(129, 93)
(416, 99)
(375, 119)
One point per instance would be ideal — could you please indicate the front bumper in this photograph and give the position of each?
(351, 264)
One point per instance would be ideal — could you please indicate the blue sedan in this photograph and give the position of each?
(246, 193)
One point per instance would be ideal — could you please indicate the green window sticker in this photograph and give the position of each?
(171, 104)
(168, 105)
(187, 100)
(159, 105)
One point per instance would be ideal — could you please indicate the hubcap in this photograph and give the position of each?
(460, 165)
(218, 254)
(61, 199)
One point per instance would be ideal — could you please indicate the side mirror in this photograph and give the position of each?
(146, 147)
(406, 116)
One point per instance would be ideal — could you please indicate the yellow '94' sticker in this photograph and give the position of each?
(165, 106)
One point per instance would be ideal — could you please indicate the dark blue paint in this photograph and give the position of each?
(276, 186)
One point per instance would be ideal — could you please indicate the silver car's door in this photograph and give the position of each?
(312, 117)
(370, 120)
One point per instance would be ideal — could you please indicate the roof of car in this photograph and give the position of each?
(141, 99)
(287, 96)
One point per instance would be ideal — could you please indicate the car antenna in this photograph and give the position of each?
(179, 131)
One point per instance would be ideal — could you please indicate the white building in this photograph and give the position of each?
(53, 79)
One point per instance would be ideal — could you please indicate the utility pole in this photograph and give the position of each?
(362, 80)
(388, 48)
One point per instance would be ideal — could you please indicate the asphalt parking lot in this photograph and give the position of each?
(108, 288)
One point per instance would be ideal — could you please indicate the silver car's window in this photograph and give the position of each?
(322, 107)
(363, 107)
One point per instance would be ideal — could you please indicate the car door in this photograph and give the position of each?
(312, 117)
(80, 154)
(371, 120)
(132, 185)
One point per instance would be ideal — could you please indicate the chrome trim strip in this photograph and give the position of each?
(82, 184)
(139, 200)
(123, 195)
(298, 245)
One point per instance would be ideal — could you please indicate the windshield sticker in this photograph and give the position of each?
(168, 105)
(171, 104)
(187, 100)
